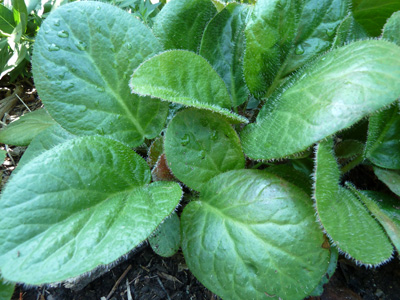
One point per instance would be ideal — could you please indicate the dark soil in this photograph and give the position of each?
(153, 277)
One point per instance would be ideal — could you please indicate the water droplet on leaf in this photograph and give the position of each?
(185, 140)
(129, 46)
(202, 154)
(299, 49)
(330, 32)
(214, 135)
(54, 47)
(57, 22)
(81, 45)
(63, 34)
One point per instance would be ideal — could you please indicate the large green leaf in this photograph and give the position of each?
(383, 143)
(345, 219)
(223, 46)
(83, 57)
(180, 24)
(6, 290)
(372, 14)
(390, 177)
(7, 23)
(253, 235)
(386, 210)
(22, 131)
(89, 205)
(200, 145)
(333, 93)
(282, 35)
(46, 140)
(186, 78)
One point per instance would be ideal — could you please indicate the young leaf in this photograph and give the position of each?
(186, 78)
(348, 31)
(253, 235)
(392, 28)
(20, 13)
(87, 51)
(93, 193)
(345, 219)
(282, 35)
(372, 14)
(166, 240)
(389, 177)
(46, 140)
(223, 46)
(200, 145)
(180, 24)
(6, 290)
(383, 143)
(386, 210)
(333, 93)
(22, 131)
(7, 23)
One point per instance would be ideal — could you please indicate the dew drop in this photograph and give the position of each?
(57, 22)
(129, 46)
(98, 7)
(202, 154)
(68, 86)
(299, 49)
(61, 76)
(81, 45)
(214, 135)
(81, 108)
(330, 32)
(100, 89)
(54, 47)
(185, 140)
(63, 34)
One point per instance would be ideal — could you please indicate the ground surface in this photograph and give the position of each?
(144, 275)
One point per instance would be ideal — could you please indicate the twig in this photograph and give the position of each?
(23, 102)
(118, 282)
(9, 102)
(128, 290)
(163, 288)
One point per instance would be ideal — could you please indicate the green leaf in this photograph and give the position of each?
(6, 290)
(389, 177)
(253, 235)
(20, 13)
(3, 155)
(22, 131)
(7, 23)
(166, 240)
(333, 93)
(186, 78)
(223, 46)
(180, 24)
(349, 30)
(59, 221)
(318, 291)
(386, 210)
(87, 51)
(346, 220)
(372, 14)
(349, 149)
(391, 31)
(292, 175)
(383, 143)
(46, 140)
(283, 35)
(200, 145)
